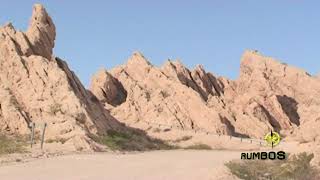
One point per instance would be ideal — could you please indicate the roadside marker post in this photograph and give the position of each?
(32, 133)
(33, 126)
(43, 132)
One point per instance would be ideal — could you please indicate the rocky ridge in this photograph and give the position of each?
(268, 95)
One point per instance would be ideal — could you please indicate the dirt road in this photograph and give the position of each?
(156, 165)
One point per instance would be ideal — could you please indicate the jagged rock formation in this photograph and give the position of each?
(287, 94)
(36, 86)
(268, 95)
(154, 95)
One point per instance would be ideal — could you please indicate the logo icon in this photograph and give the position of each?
(272, 139)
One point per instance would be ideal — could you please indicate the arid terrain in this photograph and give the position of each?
(139, 107)
(157, 165)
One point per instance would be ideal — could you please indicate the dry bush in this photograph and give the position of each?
(9, 145)
(131, 141)
(296, 167)
(55, 108)
(184, 138)
(57, 140)
(199, 147)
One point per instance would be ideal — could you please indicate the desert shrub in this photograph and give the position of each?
(297, 167)
(156, 130)
(199, 147)
(57, 140)
(131, 141)
(55, 108)
(9, 145)
(184, 138)
(14, 101)
(81, 118)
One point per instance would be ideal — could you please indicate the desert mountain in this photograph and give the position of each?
(36, 86)
(268, 95)
(170, 95)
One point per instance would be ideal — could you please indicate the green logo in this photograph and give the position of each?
(272, 139)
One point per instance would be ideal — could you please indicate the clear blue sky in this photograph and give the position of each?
(95, 34)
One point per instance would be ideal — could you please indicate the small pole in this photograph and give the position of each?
(251, 141)
(43, 132)
(32, 133)
(230, 137)
(241, 139)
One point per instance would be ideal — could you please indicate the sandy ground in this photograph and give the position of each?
(156, 165)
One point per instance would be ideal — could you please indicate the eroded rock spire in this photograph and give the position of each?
(41, 32)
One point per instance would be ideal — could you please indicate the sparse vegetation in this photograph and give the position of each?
(184, 138)
(55, 108)
(296, 167)
(199, 147)
(133, 140)
(9, 145)
(58, 140)
(156, 130)
(81, 118)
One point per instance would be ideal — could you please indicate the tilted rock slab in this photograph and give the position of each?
(167, 95)
(36, 86)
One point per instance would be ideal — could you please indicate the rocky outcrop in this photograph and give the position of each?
(158, 95)
(108, 89)
(38, 87)
(41, 32)
(202, 82)
(289, 94)
(268, 95)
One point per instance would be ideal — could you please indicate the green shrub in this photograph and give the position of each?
(131, 141)
(296, 167)
(9, 145)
